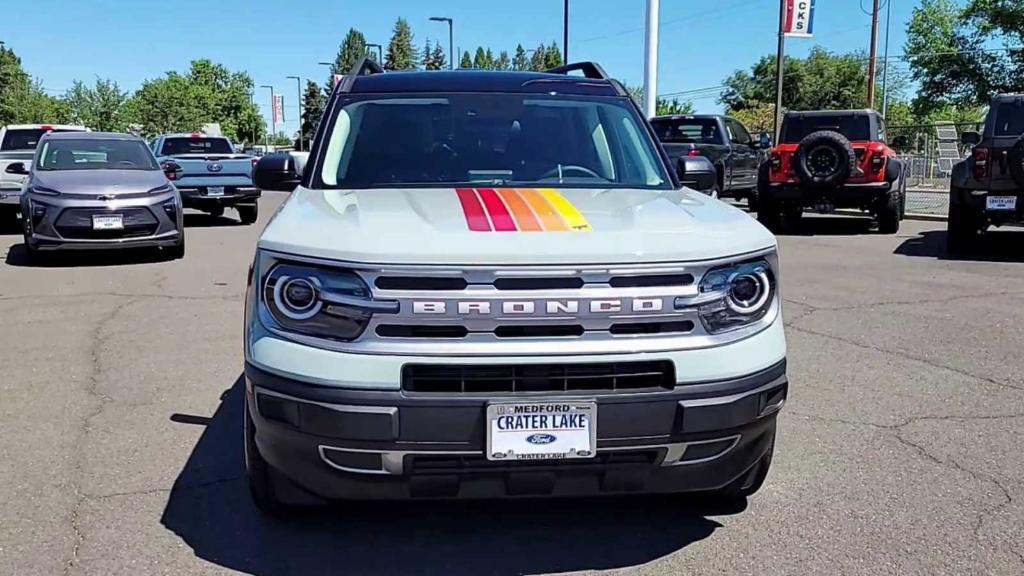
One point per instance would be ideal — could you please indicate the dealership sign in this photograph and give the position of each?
(799, 18)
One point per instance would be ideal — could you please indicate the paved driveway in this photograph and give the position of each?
(899, 452)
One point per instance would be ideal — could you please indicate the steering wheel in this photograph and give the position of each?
(571, 168)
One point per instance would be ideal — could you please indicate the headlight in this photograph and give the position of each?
(162, 189)
(41, 190)
(745, 294)
(320, 302)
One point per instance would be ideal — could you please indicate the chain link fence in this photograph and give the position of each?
(929, 151)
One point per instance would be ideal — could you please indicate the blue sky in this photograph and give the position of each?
(131, 40)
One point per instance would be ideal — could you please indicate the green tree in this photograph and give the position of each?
(401, 54)
(945, 48)
(22, 99)
(312, 112)
(539, 59)
(101, 107)
(489, 59)
(350, 51)
(209, 93)
(662, 106)
(466, 62)
(427, 59)
(519, 60)
(553, 56)
(480, 59)
(756, 116)
(502, 62)
(439, 57)
(823, 80)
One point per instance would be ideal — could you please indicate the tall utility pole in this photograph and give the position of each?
(871, 56)
(298, 93)
(651, 60)
(780, 69)
(565, 33)
(885, 61)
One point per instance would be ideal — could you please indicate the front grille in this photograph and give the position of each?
(524, 378)
(451, 464)
(76, 223)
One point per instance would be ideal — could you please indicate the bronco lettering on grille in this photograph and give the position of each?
(538, 307)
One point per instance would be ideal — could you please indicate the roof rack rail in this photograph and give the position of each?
(590, 70)
(364, 67)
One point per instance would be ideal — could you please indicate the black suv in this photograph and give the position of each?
(987, 188)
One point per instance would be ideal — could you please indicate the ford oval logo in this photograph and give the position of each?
(541, 438)
(215, 167)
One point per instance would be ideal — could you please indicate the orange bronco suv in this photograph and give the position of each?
(832, 159)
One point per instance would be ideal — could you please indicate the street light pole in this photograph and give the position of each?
(780, 70)
(885, 61)
(872, 54)
(451, 39)
(380, 52)
(273, 122)
(298, 92)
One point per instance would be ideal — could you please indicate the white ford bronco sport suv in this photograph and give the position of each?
(490, 284)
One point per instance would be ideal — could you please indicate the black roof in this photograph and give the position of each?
(832, 112)
(439, 81)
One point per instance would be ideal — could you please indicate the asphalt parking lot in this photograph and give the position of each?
(899, 450)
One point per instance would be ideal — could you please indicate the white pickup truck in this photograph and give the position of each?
(490, 284)
(18, 144)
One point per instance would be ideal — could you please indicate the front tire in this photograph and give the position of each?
(890, 213)
(769, 213)
(248, 214)
(961, 229)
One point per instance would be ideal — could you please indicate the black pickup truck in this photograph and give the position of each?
(723, 140)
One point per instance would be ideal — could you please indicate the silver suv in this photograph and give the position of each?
(98, 190)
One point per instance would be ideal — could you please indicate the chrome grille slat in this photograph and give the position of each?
(515, 378)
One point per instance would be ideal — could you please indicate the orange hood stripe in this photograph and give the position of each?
(525, 218)
(549, 219)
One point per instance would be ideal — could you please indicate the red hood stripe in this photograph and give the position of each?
(475, 217)
(497, 210)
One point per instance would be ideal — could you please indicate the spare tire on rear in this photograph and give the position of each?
(1015, 161)
(824, 159)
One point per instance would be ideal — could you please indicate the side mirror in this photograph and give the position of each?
(300, 159)
(171, 169)
(18, 168)
(277, 172)
(970, 138)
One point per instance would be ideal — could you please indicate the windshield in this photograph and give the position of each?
(1010, 119)
(687, 130)
(25, 138)
(95, 154)
(495, 139)
(198, 145)
(853, 126)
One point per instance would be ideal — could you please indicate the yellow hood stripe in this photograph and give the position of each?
(573, 219)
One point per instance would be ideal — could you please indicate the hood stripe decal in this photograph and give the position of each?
(496, 209)
(520, 210)
(569, 213)
(549, 220)
(475, 217)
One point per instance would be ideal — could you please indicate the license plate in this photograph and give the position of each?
(215, 191)
(108, 222)
(1001, 203)
(541, 430)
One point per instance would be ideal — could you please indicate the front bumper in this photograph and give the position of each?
(344, 443)
(56, 223)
